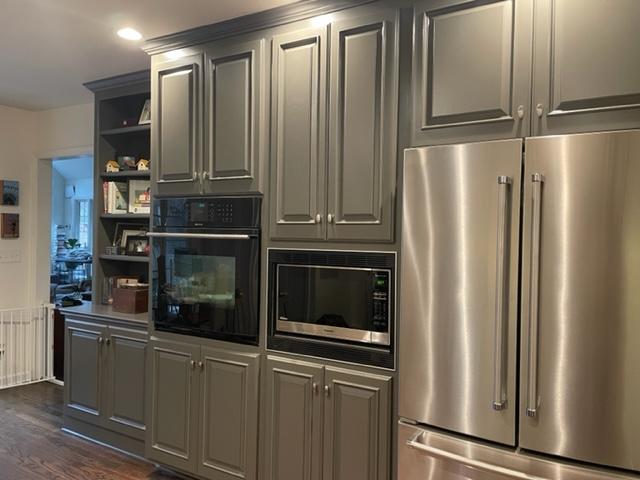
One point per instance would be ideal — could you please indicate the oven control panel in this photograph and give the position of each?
(208, 212)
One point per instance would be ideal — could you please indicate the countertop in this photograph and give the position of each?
(105, 312)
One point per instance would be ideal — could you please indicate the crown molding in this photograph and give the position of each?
(248, 23)
(127, 79)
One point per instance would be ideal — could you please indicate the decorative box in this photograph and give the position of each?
(131, 299)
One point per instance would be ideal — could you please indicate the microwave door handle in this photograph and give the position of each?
(209, 236)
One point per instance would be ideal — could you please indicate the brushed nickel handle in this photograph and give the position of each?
(534, 290)
(192, 363)
(464, 460)
(314, 388)
(539, 110)
(201, 365)
(327, 391)
(330, 218)
(205, 175)
(211, 236)
(499, 394)
(520, 111)
(318, 218)
(100, 340)
(108, 341)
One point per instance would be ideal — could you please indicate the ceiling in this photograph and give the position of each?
(49, 48)
(75, 168)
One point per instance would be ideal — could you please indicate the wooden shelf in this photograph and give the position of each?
(125, 258)
(126, 130)
(143, 174)
(125, 216)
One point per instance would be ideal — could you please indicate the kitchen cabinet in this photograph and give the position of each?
(234, 115)
(105, 378)
(472, 70)
(204, 410)
(326, 423)
(586, 66)
(346, 191)
(176, 122)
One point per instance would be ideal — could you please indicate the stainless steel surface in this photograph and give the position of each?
(425, 454)
(362, 336)
(499, 394)
(534, 284)
(448, 311)
(210, 236)
(588, 361)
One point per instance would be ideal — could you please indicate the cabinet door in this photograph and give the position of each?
(176, 123)
(586, 66)
(298, 160)
(472, 69)
(357, 426)
(84, 370)
(234, 116)
(362, 128)
(294, 420)
(172, 436)
(125, 381)
(228, 415)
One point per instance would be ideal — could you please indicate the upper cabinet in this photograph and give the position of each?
(586, 66)
(338, 187)
(472, 70)
(176, 121)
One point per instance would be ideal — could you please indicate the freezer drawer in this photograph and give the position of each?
(580, 379)
(461, 217)
(428, 455)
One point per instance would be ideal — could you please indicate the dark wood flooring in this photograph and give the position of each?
(32, 446)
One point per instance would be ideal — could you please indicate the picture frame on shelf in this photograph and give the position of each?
(10, 225)
(137, 246)
(145, 115)
(140, 196)
(9, 193)
(123, 230)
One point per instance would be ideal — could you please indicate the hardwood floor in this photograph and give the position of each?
(32, 446)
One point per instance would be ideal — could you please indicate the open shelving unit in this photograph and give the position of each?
(118, 104)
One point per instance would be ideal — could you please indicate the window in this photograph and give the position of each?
(84, 223)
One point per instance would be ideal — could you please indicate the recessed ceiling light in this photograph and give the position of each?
(129, 33)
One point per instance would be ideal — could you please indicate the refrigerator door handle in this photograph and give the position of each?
(441, 454)
(532, 393)
(499, 396)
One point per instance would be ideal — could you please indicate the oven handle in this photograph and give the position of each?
(210, 236)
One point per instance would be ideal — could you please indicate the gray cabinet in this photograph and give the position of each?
(586, 66)
(472, 70)
(298, 116)
(176, 143)
(204, 410)
(84, 392)
(234, 116)
(326, 423)
(346, 191)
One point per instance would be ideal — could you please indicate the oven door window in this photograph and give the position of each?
(207, 287)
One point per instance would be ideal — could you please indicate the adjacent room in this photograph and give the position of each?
(320, 240)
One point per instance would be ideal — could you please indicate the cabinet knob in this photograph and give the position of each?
(314, 388)
(520, 111)
(327, 390)
(193, 364)
(318, 218)
(330, 218)
(201, 365)
(205, 175)
(108, 341)
(100, 340)
(539, 109)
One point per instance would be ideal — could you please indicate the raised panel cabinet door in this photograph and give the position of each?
(298, 160)
(125, 390)
(228, 447)
(234, 116)
(176, 124)
(294, 420)
(171, 432)
(363, 118)
(84, 365)
(357, 426)
(586, 66)
(472, 70)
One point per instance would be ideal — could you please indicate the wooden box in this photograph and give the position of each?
(131, 300)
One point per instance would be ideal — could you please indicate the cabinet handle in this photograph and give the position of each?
(520, 111)
(100, 340)
(327, 391)
(108, 341)
(201, 365)
(205, 176)
(314, 388)
(330, 218)
(539, 110)
(193, 364)
(318, 218)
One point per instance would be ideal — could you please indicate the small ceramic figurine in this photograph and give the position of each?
(112, 166)
(143, 164)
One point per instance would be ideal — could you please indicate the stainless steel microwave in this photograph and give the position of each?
(345, 296)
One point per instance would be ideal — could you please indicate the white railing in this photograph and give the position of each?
(26, 345)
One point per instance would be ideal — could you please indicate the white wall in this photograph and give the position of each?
(66, 131)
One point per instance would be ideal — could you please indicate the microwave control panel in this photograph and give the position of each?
(380, 301)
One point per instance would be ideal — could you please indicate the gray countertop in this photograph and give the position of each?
(105, 312)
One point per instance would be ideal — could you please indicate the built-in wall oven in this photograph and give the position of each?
(339, 301)
(206, 267)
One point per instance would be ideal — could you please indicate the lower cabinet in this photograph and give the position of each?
(326, 423)
(105, 379)
(204, 410)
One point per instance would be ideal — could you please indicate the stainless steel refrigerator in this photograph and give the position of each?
(520, 309)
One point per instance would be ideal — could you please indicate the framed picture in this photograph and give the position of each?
(123, 230)
(9, 192)
(140, 196)
(10, 225)
(137, 245)
(145, 115)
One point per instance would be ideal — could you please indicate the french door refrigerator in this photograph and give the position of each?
(520, 309)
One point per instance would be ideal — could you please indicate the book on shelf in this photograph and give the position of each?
(115, 197)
